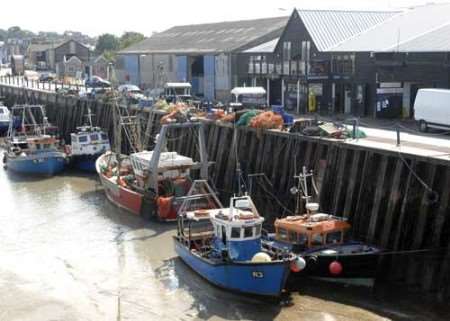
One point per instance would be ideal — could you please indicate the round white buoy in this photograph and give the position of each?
(298, 264)
(261, 257)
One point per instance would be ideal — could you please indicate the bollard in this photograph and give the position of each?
(398, 135)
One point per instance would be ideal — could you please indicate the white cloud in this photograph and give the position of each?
(96, 17)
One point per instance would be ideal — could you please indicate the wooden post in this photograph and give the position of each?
(377, 202)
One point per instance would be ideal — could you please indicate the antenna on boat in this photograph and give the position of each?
(302, 192)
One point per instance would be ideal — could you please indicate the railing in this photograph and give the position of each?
(51, 86)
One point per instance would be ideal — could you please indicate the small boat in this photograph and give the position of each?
(86, 145)
(223, 245)
(323, 241)
(30, 150)
(146, 183)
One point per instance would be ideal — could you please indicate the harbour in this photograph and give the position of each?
(69, 254)
(290, 167)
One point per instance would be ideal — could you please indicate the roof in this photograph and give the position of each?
(237, 91)
(37, 47)
(211, 38)
(328, 28)
(177, 85)
(266, 47)
(408, 30)
(437, 40)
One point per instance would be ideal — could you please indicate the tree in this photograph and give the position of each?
(129, 38)
(107, 42)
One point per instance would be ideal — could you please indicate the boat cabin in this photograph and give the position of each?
(170, 165)
(249, 96)
(36, 144)
(89, 141)
(235, 231)
(4, 113)
(177, 91)
(311, 231)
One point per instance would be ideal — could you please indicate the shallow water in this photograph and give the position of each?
(67, 254)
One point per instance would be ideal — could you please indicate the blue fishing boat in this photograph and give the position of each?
(87, 144)
(30, 150)
(223, 245)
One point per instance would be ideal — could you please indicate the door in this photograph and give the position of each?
(348, 102)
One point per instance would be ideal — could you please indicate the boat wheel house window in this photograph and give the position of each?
(82, 139)
(94, 137)
(282, 234)
(317, 240)
(104, 137)
(235, 233)
(248, 232)
(334, 237)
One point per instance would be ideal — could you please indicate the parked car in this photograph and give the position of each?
(97, 82)
(46, 77)
(132, 93)
(432, 109)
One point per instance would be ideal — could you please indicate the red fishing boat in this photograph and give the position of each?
(147, 183)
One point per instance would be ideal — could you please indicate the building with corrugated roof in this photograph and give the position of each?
(203, 54)
(298, 64)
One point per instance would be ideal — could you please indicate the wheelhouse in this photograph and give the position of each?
(317, 230)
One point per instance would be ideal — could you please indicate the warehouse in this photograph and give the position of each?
(203, 54)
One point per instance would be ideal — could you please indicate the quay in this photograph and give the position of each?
(395, 197)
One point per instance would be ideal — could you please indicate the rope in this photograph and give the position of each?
(275, 198)
(420, 180)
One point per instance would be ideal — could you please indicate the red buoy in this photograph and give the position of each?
(335, 268)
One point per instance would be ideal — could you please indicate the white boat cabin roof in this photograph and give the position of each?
(166, 159)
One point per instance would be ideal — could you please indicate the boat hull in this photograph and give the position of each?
(358, 266)
(4, 125)
(358, 261)
(121, 197)
(85, 162)
(262, 279)
(37, 164)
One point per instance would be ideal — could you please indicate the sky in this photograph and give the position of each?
(95, 17)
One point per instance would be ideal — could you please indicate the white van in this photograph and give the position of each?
(432, 109)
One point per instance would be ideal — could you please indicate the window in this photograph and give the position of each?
(293, 236)
(46, 146)
(302, 239)
(282, 234)
(1, 111)
(317, 240)
(306, 50)
(248, 232)
(334, 237)
(224, 235)
(72, 47)
(235, 232)
(94, 137)
(287, 50)
(104, 137)
(82, 139)
(257, 230)
(38, 146)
